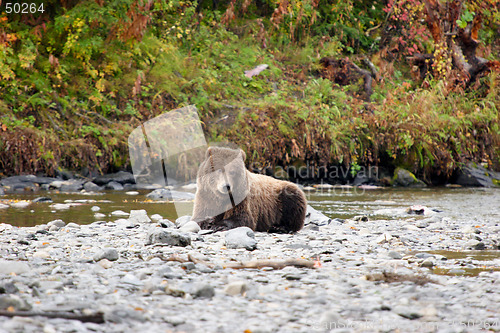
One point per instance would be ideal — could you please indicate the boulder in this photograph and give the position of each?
(168, 237)
(122, 177)
(242, 237)
(405, 178)
(476, 175)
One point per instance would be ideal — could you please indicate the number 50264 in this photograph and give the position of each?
(23, 8)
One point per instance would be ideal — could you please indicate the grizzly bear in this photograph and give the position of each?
(229, 196)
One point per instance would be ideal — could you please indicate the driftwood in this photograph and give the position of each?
(97, 317)
(255, 264)
(345, 72)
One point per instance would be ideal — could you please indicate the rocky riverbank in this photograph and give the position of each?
(141, 272)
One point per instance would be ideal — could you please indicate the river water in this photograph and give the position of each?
(466, 205)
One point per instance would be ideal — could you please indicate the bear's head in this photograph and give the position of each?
(223, 174)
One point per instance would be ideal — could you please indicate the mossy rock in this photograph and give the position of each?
(405, 178)
(475, 175)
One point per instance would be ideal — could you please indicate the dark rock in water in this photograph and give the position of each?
(112, 185)
(405, 178)
(476, 175)
(22, 186)
(42, 199)
(121, 177)
(480, 246)
(2, 191)
(169, 237)
(92, 187)
(164, 194)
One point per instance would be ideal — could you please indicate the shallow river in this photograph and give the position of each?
(473, 206)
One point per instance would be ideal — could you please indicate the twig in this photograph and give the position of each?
(97, 317)
(255, 264)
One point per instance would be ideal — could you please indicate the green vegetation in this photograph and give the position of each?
(78, 78)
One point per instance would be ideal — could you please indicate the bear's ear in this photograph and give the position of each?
(208, 153)
(243, 155)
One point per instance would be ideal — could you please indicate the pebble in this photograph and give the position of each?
(168, 237)
(132, 193)
(109, 254)
(12, 266)
(139, 216)
(190, 226)
(119, 213)
(20, 204)
(394, 255)
(95, 208)
(242, 237)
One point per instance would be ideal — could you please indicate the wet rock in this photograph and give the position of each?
(95, 208)
(168, 237)
(473, 174)
(242, 237)
(109, 254)
(4, 206)
(92, 187)
(191, 226)
(132, 193)
(2, 191)
(170, 195)
(480, 246)
(115, 186)
(139, 216)
(121, 177)
(405, 178)
(17, 267)
(42, 199)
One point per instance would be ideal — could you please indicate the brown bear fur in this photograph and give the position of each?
(230, 196)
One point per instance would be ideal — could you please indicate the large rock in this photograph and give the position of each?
(71, 185)
(242, 237)
(121, 177)
(405, 178)
(168, 237)
(165, 194)
(315, 217)
(92, 187)
(109, 254)
(476, 175)
(139, 216)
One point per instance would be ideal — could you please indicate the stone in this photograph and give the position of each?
(132, 193)
(71, 185)
(156, 217)
(122, 177)
(191, 226)
(16, 267)
(182, 220)
(166, 223)
(109, 254)
(115, 186)
(405, 178)
(170, 195)
(384, 238)
(203, 291)
(429, 262)
(20, 204)
(7, 287)
(242, 237)
(473, 174)
(394, 255)
(14, 302)
(92, 187)
(119, 213)
(236, 288)
(139, 216)
(315, 217)
(168, 237)
(57, 223)
(4, 206)
(95, 208)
